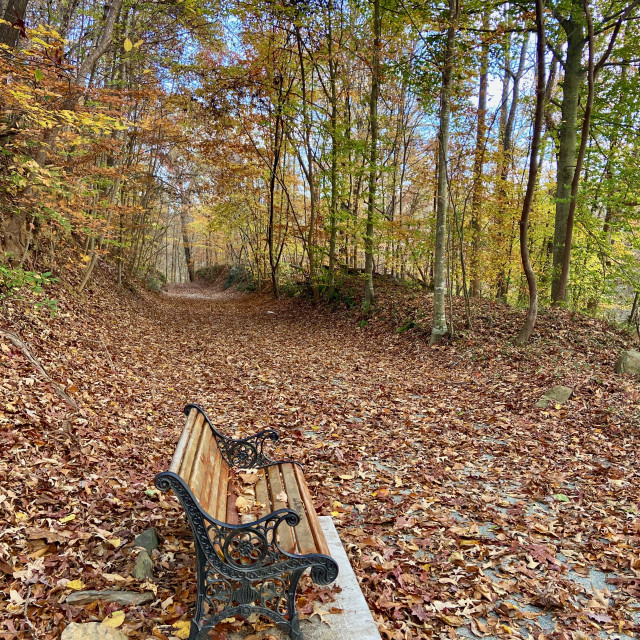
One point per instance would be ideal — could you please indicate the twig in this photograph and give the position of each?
(104, 346)
(26, 613)
(15, 340)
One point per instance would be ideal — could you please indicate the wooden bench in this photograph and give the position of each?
(245, 567)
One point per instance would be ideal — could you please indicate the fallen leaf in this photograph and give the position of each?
(114, 620)
(76, 585)
(183, 629)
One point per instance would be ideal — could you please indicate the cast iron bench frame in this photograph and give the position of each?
(241, 568)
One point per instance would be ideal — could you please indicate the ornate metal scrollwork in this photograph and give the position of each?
(246, 453)
(242, 569)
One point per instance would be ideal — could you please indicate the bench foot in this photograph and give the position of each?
(273, 598)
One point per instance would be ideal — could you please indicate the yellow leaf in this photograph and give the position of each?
(114, 620)
(242, 504)
(468, 543)
(346, 477)
(128, 45)
(76, 585)
(137, 44)
(68, 518)
(114, 542)
(183, 629)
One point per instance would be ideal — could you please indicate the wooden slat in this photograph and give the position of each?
(221, 493)
(227, 510)
(189, 456)
(201, 467)
(304, 537)
(314, 523)
(262, 495)
(210, 497)
(182, 443)
(275, 489)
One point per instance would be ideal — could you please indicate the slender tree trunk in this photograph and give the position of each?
(333, 207)
(373, 157)
(310, 171)
(478, 164)
(277, 145)
(507, 122)
(439, 324)
(532, 313)
(186, 242)
(568, 135)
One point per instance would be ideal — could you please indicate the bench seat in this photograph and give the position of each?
(247, 561)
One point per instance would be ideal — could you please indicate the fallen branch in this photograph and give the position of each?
(15, 340)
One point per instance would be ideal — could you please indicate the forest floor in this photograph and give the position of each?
(465, 510)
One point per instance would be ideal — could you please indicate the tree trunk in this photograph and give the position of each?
(277, 145)
(478, 164)
(568, 136)
(14, 12)
(187, 243)
(592, 72)
(333, 207)
(532, 312)
(310, 172)
(373, 158)
(439, 324)
(507, 121)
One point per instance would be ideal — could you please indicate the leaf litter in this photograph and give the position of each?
(465, 510)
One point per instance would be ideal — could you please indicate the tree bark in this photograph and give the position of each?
(478, 165)
(13, 12)
(592, 71)
(186, 243)
(333, 207)
(507, 121)
(373, 158)
(439, 324)
(532, 312)
(568, 136)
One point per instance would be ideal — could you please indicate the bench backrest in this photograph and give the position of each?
(198, 461)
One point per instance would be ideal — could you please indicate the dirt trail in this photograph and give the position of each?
(460, 504)
(195, 291)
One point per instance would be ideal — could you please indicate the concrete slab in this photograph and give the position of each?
(354, 623)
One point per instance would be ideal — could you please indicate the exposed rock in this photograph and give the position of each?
(143, 568)
(121, 597)
(148, 539)
(628, 362)
(556, 395)
(91, 631)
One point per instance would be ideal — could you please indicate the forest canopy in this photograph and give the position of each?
(471, 148)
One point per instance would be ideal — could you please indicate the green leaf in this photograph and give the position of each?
(38, 75)
(561, 497)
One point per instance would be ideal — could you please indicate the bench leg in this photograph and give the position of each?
(273, 597)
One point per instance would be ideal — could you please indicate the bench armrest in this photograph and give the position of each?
(245, 453)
